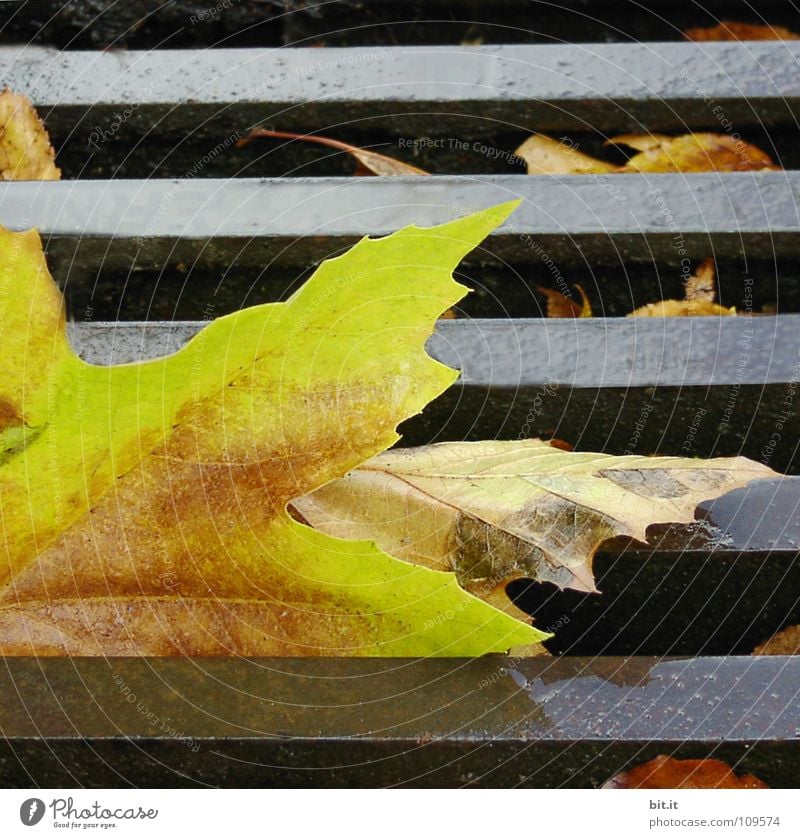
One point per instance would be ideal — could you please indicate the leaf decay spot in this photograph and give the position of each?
(9, 415)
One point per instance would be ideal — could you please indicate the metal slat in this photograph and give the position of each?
(599, 87)
(486, 722)
(113, 225)
(623, 352)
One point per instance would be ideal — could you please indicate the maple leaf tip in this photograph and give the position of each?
(488, 219)
(501, 212)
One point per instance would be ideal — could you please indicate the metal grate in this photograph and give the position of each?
(160, 215)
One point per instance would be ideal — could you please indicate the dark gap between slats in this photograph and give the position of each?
(135, 155)
(185, 291)
(722, 421)
(146, 24)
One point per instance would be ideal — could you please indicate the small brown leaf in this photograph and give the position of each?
(472, 41)
(731, 30)
(546, 156)
(700, 296)
(369, 162)
(786, 642)
(702, 284)
(25, 149)
(664, 772)
(559, 305)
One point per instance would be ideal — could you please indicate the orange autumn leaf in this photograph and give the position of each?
(731, 30)
(699, 300)
(701, 286)
(559, 305)
(664, 772)
(682, 308)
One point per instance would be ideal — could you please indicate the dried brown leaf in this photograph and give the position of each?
(683, 308)
(497, 511)
(701, 293)
(701, 286)
(546, 156)
(369, 162)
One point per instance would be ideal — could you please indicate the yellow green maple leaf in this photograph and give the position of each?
(143, 506)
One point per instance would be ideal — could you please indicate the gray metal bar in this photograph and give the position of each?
(624, 352)
(551, 87)
(116, 224)
(486, 722)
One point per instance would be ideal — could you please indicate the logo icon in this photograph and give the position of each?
(31, 811)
